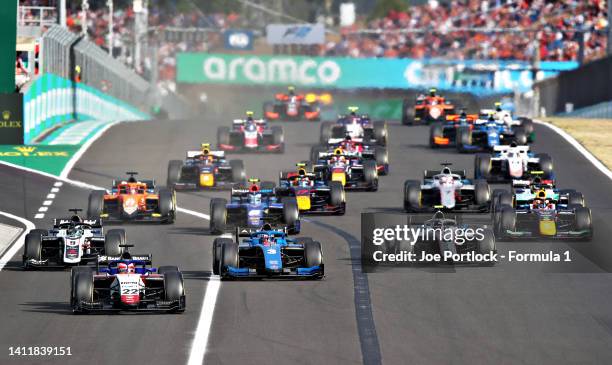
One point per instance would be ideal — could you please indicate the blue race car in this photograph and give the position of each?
(484, 134)
(359, 127)
(267, 253)
(253, 205)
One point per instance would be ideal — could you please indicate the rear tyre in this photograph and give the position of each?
(583, 219)
(482, 192)
(174, 289)
(174, 172)
(223, 136)
(277, 135)
(336, 193)
(313, 256)
(487, 245)
(217, 243)
(238, 173)
(407, 113)
(507, 220)
(166, 204)
(370, 174)
(436, 130)
(314, 152)
(482, 166)
(520, 136)
(412, 195)
(113, 240)
(218, 215)
(73, 274)
(546, 165)
(291, 212)
(380, 133)
(575, 198)
(326, 132)
(382, 159)
(463, 138)
(95, 205)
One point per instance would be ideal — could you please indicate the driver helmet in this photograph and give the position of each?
(133, 190)
(123, 268)
(498, 107)
(291, 91)
(74, 231)
(265, 240)
(304, 182)
(432, 92)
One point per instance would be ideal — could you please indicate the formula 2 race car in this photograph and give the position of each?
(358, 149)
(71, 241)
(359, 127)
(267, 253)
(292, 106)
(251, 135)
(133, 200)
(205, 169)
(353, 172)
(253, 205)
(127, 283)
(427, 109)
(446, 190)
(442, 134)
(510, 163)
(506, 117)
(541, 211)
(484, 134)
(313, 195)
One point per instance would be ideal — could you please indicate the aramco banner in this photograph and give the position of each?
(350, 73)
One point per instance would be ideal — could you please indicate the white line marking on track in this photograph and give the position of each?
(571, 140)
(51, 196)
(43, 209)
(39, 216)
(19, 242)
(200, 341)
(47, 202)
(55, 190)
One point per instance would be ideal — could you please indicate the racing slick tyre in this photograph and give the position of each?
(33, 246)
(338, 132)
(412, 196)
(495, 199)
(217, 243)
(407, 113)
(95, 205)
(482, 166)
(482, 193)
(546, 165)
(583, 219)
(382, 159)
(223, 136)
(238, 173)
(313, 255)
(82, 290)
(277, 135)
(113, 240)
(520, 137)
(218, 215)
(174, 289)
(380, 133)
(229, 257)
(463, 138)
(314, 153)
(291, 212)
(575, 198)
(326, 132)
(527, 124)
(370, 174)
(166, 204)
(174, 172)
(487, 245)
(436, 130)
(73, 274)
(336, 193)
(167, 268)
(507, 220)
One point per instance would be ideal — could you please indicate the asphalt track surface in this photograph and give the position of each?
(510, 313)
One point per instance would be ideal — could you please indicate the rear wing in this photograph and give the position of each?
(146, 259)
(217, 154)
(93, 223)
(506, 148)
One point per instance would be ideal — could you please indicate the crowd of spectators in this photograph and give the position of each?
(481, 29)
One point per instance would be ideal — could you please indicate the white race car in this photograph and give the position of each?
(512, 162)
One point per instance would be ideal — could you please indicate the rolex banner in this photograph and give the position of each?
(11, 118)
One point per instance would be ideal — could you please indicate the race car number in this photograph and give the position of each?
(129, 291)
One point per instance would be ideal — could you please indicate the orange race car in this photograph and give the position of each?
(133, 200)
(444, 133)
(427, 109)
(292, 106)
